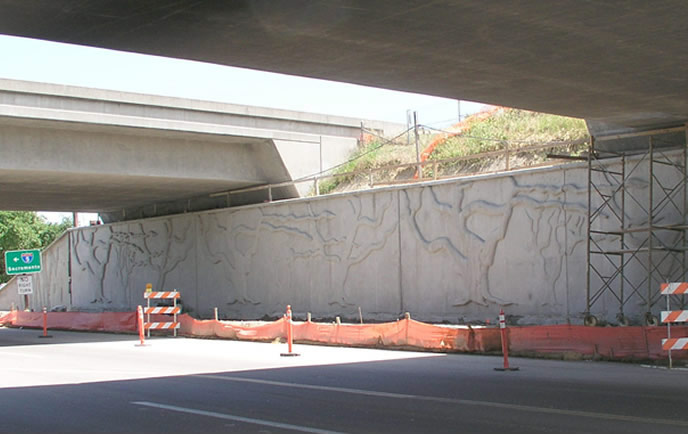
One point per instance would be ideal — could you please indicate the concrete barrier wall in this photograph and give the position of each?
(50, 286)
(452, 251)
(52, 283)
(447, 251)
(9, 297)
(307, 159)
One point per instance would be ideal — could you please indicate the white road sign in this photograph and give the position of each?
(25, 285)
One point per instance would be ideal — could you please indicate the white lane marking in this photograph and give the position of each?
(665, 368)
(235, 418)
(528, 408)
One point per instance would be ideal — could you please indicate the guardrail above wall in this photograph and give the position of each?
(507, 154)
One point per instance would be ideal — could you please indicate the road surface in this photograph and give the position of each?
(86, 382)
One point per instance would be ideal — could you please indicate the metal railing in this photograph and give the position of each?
(507, 153)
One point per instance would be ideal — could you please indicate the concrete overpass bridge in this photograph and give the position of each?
(619, 65)
(131, 156)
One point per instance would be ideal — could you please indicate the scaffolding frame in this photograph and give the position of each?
(657, 248)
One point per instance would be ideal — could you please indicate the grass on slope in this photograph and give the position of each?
(507, 127)
(517, 127)
(372, 155)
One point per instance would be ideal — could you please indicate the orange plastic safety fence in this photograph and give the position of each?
(614, 343)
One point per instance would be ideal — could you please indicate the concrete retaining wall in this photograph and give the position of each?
(452, 251)
(50, 286)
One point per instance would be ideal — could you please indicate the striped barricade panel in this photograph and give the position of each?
(162, 294)
(675, 344)
(161, 325)
(674, 288)
(162, 310)
(674, 316)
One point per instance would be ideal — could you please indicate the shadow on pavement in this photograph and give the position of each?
(26, 336)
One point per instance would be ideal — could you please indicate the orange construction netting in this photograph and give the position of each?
(613, 343)
(455, 130)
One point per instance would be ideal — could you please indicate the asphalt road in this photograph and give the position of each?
(78, 382)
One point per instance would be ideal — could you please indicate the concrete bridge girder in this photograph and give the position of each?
(132, 156)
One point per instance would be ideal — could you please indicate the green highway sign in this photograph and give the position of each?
(22, 261)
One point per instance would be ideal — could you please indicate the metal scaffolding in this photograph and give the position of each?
(637, 222)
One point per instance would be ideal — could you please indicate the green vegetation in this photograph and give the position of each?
(373, 155)
(517, 129)
(25, 230)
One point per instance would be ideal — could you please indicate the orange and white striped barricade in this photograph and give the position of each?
(674, 316)
(173, 310)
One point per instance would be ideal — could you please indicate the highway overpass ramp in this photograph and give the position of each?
(130, 156)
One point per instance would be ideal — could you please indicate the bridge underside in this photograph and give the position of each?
(124, 173)
(616, 64)
(131, 156)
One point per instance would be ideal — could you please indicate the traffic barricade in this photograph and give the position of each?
(173, 310)
(674, 316)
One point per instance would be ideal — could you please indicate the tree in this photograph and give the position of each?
(26, 230)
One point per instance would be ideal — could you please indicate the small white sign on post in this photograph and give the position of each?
(24, 285)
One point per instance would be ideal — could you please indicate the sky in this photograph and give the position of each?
(51, 62)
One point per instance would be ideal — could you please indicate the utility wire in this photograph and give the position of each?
(485, 138)
(387, 141)
(454, 119)
(391, 142)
